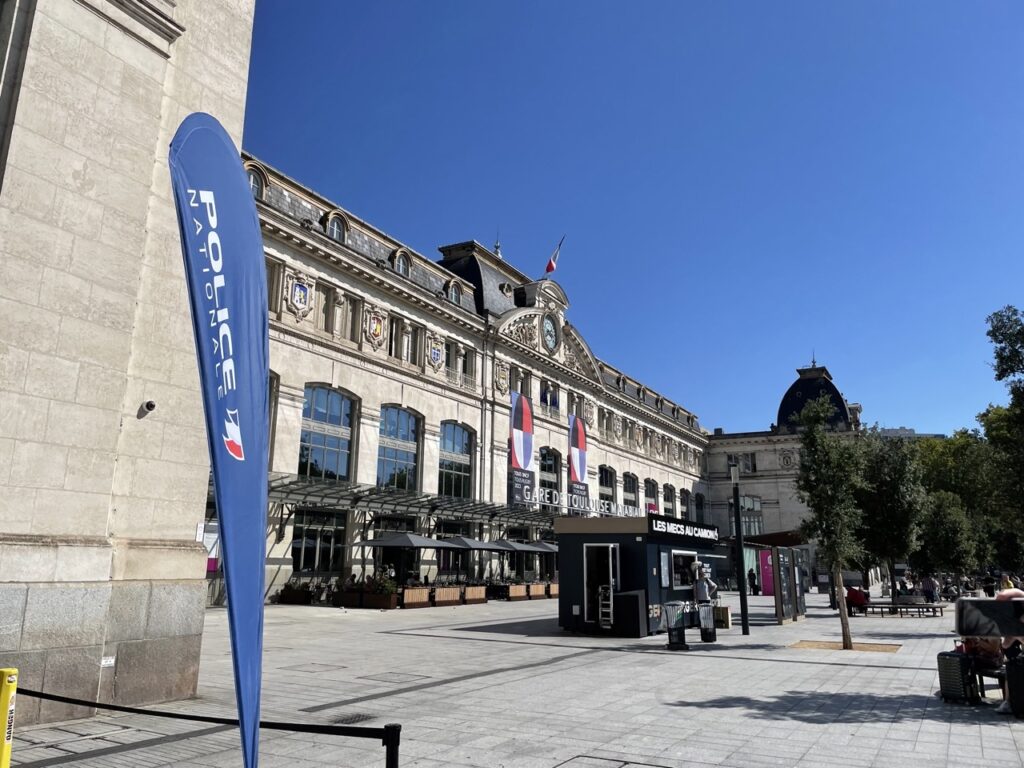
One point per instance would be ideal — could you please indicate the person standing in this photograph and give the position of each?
(928, 588)
(752, 581)
(705, 588)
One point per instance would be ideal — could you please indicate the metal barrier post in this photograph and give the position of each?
(8, 689)
(392, 735)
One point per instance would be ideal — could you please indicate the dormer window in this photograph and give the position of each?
(336, 229)
(256, 185)
(401, 264)
(455, 293)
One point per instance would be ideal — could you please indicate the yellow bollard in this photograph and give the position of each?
(8, 687)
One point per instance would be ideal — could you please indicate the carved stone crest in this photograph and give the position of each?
(375, 326)
(787, 459)
(524, 331)
(617, 427)
(435, 352)
(300, 296)
(589, 413)
(501, 374)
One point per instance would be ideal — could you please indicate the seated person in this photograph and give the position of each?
(856, 599)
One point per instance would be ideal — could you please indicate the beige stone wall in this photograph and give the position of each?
(94, 321)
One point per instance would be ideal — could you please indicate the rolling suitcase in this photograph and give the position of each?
(957, 681)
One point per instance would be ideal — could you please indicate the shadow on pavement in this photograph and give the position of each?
(822, 708)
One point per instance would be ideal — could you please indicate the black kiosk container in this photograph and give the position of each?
(616, 572)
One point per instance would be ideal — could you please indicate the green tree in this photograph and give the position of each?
(891, 499)
(966, 464)
(947, 538)
(828, 481)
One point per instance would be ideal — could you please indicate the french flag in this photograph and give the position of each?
(553, 261)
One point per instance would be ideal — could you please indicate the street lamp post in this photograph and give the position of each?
(738, 526)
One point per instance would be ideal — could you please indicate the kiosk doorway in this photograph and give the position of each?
(600, 580)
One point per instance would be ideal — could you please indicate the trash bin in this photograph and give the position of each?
(673, 614)
(708, 633)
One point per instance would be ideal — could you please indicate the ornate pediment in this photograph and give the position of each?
(523, 330)
(576, 355)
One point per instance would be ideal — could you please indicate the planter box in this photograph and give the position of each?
(553, 590)
(347, 599)
(295, 597)
(517, 592)
(447, 595)
(416, 597)
(537, 591)
(380, 601)
(497, 592)
(474, 595)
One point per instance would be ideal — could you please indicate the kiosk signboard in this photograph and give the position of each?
(682, 532)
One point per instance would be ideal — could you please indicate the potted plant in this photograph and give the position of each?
(349, 595)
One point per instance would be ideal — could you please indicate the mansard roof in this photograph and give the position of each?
(812, 382)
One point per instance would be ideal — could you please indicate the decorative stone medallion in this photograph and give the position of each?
(435, 352)
(501, 376)
(786, 459)
(300, 296)
(375, 327)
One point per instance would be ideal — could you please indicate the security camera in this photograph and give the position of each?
(149, 405)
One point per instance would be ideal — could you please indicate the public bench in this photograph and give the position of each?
(906, 605)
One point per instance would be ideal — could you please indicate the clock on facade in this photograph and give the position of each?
(549, 332)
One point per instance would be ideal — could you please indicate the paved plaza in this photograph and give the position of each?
(499, 685)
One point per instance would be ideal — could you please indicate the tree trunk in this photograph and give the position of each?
(892, 584)
(844, 618)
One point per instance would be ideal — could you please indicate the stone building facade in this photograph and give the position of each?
(768, 462)
(100, 570)
(391, 370)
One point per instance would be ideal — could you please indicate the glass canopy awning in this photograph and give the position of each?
(284, 488)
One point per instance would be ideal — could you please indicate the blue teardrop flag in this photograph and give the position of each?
(227, 286)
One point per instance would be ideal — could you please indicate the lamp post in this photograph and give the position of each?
(738, 526)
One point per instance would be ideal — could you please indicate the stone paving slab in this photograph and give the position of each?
(500, 685)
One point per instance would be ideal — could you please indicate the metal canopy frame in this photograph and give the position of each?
(296, 490)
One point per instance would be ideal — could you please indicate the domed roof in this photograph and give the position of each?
(812, 383)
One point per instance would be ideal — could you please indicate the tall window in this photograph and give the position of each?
(684, 504)
(750, 516)
(550, 474)
(402, 264)
(548, 396)
(348, 318)
(455, 293)
(455, 477)
(318, 542)
(273, 287)
(325, 444)
(747, 462)
(606, 483)
(336, 229)
(325, 308)
(630, 489)
(698, 505)
(398, 454)
(668, 503)
(256, 184)
(650, 495)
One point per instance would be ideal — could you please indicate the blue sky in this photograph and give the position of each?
(739, 184)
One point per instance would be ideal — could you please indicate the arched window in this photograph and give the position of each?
(550, 474)
(256, 184)
(402, 263)
(684, 504)
(630, 489)
(455, 293)
(325, 443)
(455, 475)
(398, 454)
(336, 229)
(698, 503)
(650, 495)
(668, 500)
(606, 483)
